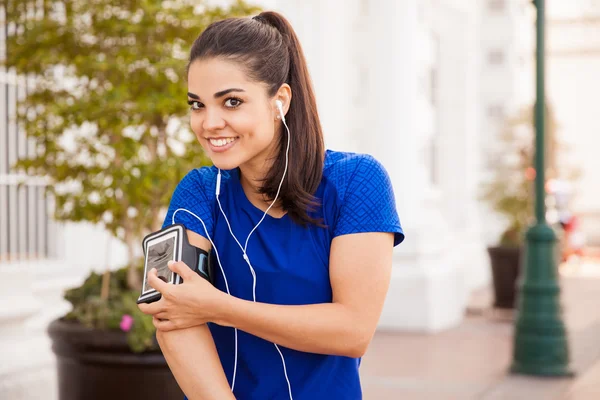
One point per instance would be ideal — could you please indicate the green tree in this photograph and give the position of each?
(106, 106)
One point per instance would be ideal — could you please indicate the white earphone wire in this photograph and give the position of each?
(244, 248)
(245, 255)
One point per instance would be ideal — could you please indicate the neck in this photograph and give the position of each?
(252, 175)
(251, 179)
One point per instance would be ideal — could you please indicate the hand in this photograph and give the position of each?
(191, 303)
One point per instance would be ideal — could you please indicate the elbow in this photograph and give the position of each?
(360, 350)
(358, 346)
(358, 335)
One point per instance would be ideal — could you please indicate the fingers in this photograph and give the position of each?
(157, 283)
(161, 315)
(164, 325)
(152, 308)
(182, 269)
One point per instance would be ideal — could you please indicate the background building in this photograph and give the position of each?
(573, 87)
(506, 79)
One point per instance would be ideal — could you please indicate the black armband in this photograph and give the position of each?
(171, 244)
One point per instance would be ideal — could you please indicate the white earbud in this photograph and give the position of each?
(218, 188)
(279, 105)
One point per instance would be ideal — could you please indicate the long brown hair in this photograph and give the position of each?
(270, 51)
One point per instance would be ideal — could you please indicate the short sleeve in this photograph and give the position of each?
(369, 204)
(191, 205)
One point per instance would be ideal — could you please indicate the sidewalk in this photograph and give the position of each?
(471, 361)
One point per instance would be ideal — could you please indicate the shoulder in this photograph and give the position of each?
(343, 170)
(198, 180)
(202, 182)
(365, 198)
(194, 199)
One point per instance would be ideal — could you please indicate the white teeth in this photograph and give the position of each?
(221, 142)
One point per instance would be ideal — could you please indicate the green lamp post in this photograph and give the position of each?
(540, 341)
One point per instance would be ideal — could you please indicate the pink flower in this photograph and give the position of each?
(126, 323)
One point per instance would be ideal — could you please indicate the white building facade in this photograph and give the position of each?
(415, 83)
(398, 80)
(573, 90)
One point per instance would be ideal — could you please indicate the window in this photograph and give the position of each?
(495, 57)
(433, 94)
(26, 228)
(495, 111)
(496, 5)
(364, 8)
(434, 71)
(431, 156)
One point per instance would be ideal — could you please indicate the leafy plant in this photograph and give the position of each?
(106, 113)
(118, 311)
(510, 191)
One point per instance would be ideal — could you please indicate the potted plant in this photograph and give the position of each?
(106, 112)
(510, 194)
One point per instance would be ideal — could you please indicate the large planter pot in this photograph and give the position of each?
(506, 266)
(94, 364)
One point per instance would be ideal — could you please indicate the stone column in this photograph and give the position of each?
(427, 290)
(370, 62)
(454, 24)
(325, 32)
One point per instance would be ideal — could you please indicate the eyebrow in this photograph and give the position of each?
(216, 95)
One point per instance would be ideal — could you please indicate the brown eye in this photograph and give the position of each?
(195, 105)
(233, 102)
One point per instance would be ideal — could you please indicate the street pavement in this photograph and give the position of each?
(472, 360)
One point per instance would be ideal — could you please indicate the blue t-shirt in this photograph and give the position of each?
(292, 267)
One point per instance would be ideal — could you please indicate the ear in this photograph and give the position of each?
(284, 94)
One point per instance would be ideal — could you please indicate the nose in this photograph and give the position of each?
(213, 120)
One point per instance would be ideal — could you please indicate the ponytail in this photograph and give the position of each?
(305, 168)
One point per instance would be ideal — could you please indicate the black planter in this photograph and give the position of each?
(506, 266)
(94, 364)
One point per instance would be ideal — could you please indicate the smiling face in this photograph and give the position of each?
(232, 116)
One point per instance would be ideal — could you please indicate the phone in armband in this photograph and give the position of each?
(171, 244)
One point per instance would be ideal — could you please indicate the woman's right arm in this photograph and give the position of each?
(192, 355)
(193, 360)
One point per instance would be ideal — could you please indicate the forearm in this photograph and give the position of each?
(193, 360)
(327, 328)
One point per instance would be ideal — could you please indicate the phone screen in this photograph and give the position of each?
(159, 252)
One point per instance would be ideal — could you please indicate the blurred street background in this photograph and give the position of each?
(94, 137)
(472, 360)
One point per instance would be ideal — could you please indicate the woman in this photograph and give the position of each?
(304, 236)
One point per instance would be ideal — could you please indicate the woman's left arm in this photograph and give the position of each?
(360, 269)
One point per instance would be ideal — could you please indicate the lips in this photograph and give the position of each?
(222, 144)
